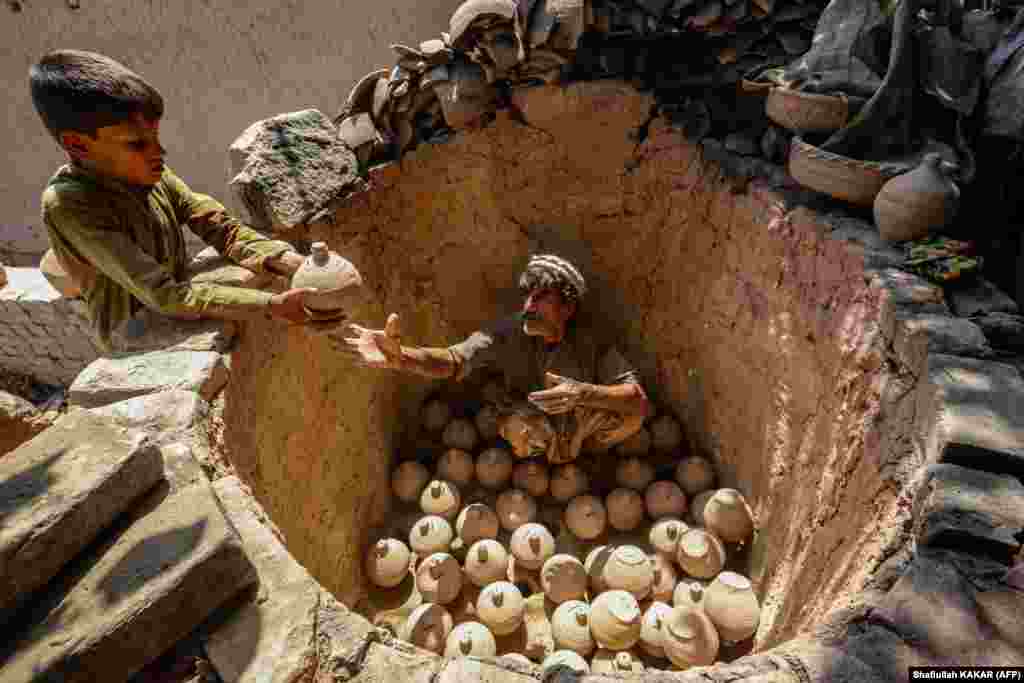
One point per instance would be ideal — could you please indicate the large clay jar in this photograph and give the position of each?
(634, 473)
(486, 421)
(486, 562)
(585, 516)
(689, 593)
(568, 481)
(597, 560)
(531, 477)
(615, 620)
(434, 415)
(440, 498)
(652, 628)
(665, 534)
(690, 639)
(501, 606)
(563, 658)
(625, 509)
(727, 515)
(439, 578)
(629, 569)
(665, 577)
(665, 499)
(700, 554)
(456, 466)
(408, 481)
(610, 662)
(494, 467)
(914, 204)
(460, 433)
(432, 534)
(570, 627)
(563, 577)
(532, 545)
(732, 606)
(387, 563)
(476, 522)
(666, 434)
(637, 445)
(470, 639)
(515, 508)
(698, 504)
(338, 282)
(695, 474)
(428, 627)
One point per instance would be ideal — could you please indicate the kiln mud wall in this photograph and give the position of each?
(759, 331)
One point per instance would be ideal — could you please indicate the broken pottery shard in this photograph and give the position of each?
(59, 490)
(289, 167)
(472, 10)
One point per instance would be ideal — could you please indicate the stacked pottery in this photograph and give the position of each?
(586, 517)
(456, 466)
(665, 534)
(629, 569)
(664, 584)
(570, 627)
(689, 593)
(615, 620)
(439, 578)
(440, 498)
(666, 434)
(432, 534)
(563, 578)
(387, 563)
(476, 522)
(470, 639)
(634, 473)
(567, 482)
(487, 422)
(434, 415)
(500, 607)
(652, 628)
(695, 474)
(460, 433)
(700, 554)
(532, 545)
(531, 477)
(515, 508)
(597, 560)
(486, 562)
(690, 639)
(494, 467)
(700, 501)
(727, 515)
(625, 509)
(428, 627)
(914, 204)
(665, 499)
(408, 481)
(731, 605)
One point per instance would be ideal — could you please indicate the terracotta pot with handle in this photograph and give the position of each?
(914, 204)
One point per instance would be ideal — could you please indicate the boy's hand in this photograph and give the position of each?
(288, 305)
(285, 263)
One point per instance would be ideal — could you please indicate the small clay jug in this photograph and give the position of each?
(629, 569)
(732, 606)
(439, 578)
(494, 467)
(500, 606)
(486, 562)
(665, 577)
(625, 509)
(470, 639)
(586, 517)
(570, 627)
(652, 629)
(432, 534)
(532, 545)
(914, 204)
(336, 279)
(666, 433)
(665, 499)
(457, 466)
(428, 627)
(532, 477)
(568, 481)
(515, 508)
(615, 620)
(434, 415)
(563, 577)
(387, 563)
(460, 433)
(695, 474)
(634, 473)
(665, 534)
(476, 521)
(690, 638)
(728, 516)
(441, 498)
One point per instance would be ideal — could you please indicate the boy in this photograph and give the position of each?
(114, 212)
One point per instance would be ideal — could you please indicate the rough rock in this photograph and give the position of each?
(472, 670)
(397, 661)
(917, 334)
(19, 421)
(155, 581)
(1003, 331)
(972, 511)
(107, 380)
(293, 626)
(287, 168)
(59, 490)
(907, 289)
(980, 297)
(166, 415)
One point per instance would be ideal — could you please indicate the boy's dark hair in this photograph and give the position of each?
(80, 91)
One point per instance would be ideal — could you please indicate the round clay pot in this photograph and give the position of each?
(732, 606)
(532, 545)
(515, 508)
(914, 204)
(428, 627)
(486, 562)
(698, 505)
(470, 639)
(625, 509)
(636, 446)
(501, 606)
(570, 627)
(690, 639)
(700, 554)
(567, 482)
(441, 498)
(586, 517)
(338, 282)
(408, 481)
(494, 468)
(615, 620)
(597, 560)
(563, 578)
(476, 522)
(689, 593)
(531, 477)
(634, 473)
(665, 499)
(486, 421)
(460, 433)
(652, 628)
(610, 662)
(665, 577)
(629, 569)
(439, 578)
(434, 415)
(564, 658)
(727, 515)
(805, 112)
(851, 180)
(456, 466)
(432, 534)
(665, 534)
(666, 433)
(695, 474)
(387, 563)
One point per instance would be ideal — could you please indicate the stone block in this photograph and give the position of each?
(165, 415)
(397, 661)
(979, 297)
(149, 586)
(470, 670)
(972, 511)
(107, 380)
(917, 334)
(59, 490)
(19, 421)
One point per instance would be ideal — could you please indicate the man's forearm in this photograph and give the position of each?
(627, 398)
(429, 362)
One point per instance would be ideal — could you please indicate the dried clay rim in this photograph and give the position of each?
(457, 466)
(476, 521)
(428, 627)
(471, 639)
(615, 620)
(387, 563)
(652, 628)
(690, 639)
(408, 480)
(625, 509)
(563, 577)
(700, 554)
(732, 606)
(727, 515)
(570, 627)
(440, 498)
(486, 562)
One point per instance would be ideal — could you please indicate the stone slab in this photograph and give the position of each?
(59, 490)
(155, 582)
(19, 421)
(980, 297)
(397, 661)
(970, 510)
(473, 670)
(107, 380)
(919, 333)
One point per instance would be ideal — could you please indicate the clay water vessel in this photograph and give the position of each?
(596, 561)
(428, 627)
(585, 516)
(665, 499)
(732, 606)
(339, 285)
(665, 577)
(695, 474)
(476, 522)
(408, 481)
(532, 545)
(570, 627)
(460, 433)
(652, 628)
(610, 662)
(515, 508)
(689, 593)
(494, 467)
(564, 658)
(698, 505)
(700, 554)
(727, 515)
(630, 569)
(666, 434)
(440, 498)
(914, 204)
(567, 482)
(665, 534)
(387, 563)
(432, 534)
(625, 509)
(486, 421)
(615, 620)
(690, 639)
(531, 477)
(634, 473)
(439, 578)
(563, 577)
(470, 639)
(501, 606)
(456, 466)
(434, 415)
(486, 562)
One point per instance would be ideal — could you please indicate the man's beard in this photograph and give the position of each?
(538, 327)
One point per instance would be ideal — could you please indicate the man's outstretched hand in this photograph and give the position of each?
(564, 395)
(374, 348)
(289, 305)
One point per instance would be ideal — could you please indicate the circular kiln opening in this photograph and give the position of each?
(631, 559)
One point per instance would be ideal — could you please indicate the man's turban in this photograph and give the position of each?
(548, 270)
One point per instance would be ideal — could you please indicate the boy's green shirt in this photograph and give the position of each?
(132, 238)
